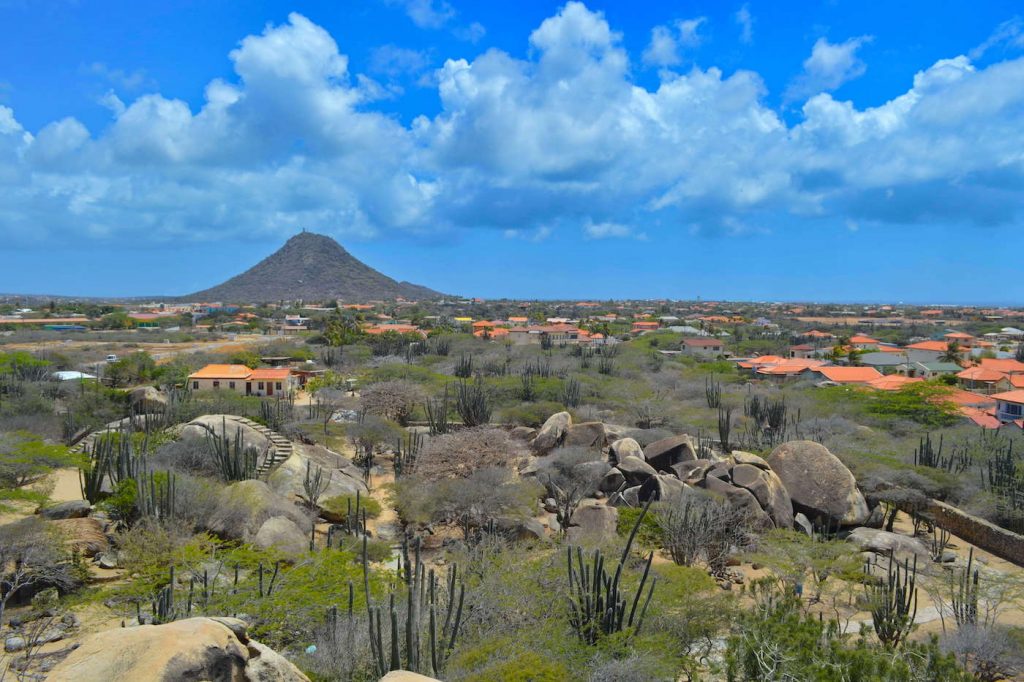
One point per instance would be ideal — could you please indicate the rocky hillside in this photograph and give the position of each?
(311, 267)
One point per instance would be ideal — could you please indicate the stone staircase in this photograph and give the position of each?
(280, 447)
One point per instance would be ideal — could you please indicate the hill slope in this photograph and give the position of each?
(312, 267)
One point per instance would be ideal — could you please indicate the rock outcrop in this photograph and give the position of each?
(147, 399)
(662, 454)
(214, 649)
(818, 483)
(552, 433)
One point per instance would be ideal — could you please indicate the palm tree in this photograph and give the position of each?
(952, 353)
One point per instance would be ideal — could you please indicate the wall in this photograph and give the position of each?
(988, 536)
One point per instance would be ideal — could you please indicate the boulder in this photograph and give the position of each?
(882, 542)
(283, 534)
(662, 454)
(593, 524)
(146, 399)
(73, 509)
(769, 491)
(244, 506)
(739, 498)
(629, 497)
(635, 470)
(692, 472)
(552, 433)
(625, 447)
(586, 435)
(612, 481)
(190, 649)
(802, 523)
(288, 478)
(84, 536)
(406, 676)
(662, 487)
(524, 433)
(741, 457)
(217, 425)
(818, 483)
(522, 530)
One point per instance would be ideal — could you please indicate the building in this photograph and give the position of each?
(848, 375)
(703, 346)
(863, 342)
(243, 380)
(557, 333)
(984, 379)
(1010, 407)
(645, 326)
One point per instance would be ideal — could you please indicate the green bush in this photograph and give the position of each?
(648, 536)
(529, 414)
(339, 504)
(525, 667)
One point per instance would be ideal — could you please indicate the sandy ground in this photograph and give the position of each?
(159, 351)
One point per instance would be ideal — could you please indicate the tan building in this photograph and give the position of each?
(243, 380)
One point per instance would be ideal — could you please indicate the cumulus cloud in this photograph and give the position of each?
(829, 66)
(1009, 35)
(565, 138)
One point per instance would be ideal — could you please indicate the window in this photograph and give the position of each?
(216, 384)
(260, 386)
(1013, 409)
(195, 385)
(278, 387)
(231, 384)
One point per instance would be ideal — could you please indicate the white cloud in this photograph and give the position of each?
(127, 80)
(829, 66)
(394, 61)
(429, 13)
(563, 138)
(745, 20)
(1009, 35)
(665, 44)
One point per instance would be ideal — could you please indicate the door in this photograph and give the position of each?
(270, 388)
(248, 388)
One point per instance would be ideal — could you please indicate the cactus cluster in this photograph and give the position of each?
(236, 461)
(893, 600)
(472, 403)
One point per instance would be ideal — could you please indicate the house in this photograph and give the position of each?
(558, 333)
(644, 326)
(892, 382)
(1010, 406)
(802, 350)
(1007, 366)
(788, 368)
(959, 337)
(984, 379)
(928, 370)
(243, 380)
(848, 375)
(703, 346)
(937, 347)
(862, 342)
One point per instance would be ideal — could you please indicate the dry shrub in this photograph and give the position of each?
(459, 454)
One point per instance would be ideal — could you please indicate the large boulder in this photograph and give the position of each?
(343, 477)
(219, 425)
(593, 523)
(635, 470)
(585, 435)
(73, 509)
(662, 487)
(84, 536)
(769, 491)
(282, 534)
(740, 499)
(612, 481)
(625, 447)
(553, 432)
(662, 454)
(819, 484)
(213, 649)
(890, 544)
(243, 507)
(146, 399)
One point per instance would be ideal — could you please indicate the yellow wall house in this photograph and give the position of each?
(242, 380)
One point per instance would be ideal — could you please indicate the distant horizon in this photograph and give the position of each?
(738, 151)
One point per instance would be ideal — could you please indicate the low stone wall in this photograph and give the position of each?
(979, 532)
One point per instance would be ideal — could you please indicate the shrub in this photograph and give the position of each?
(530, 414)
(339, 505)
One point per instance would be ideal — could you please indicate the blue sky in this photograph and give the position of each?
(763, 150)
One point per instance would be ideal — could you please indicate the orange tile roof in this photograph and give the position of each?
(1017, 380)
(981, 374)
(1009, 397)
(495, 333)
(940, 346)
(221, 372)
(1006, 365)
(763, 360)
(270, 374)
(968, 398)
(849, 375)
(860, 338)
(890, 349)
(892, 382)
(980, 417)
(818, 335)
(957, 336)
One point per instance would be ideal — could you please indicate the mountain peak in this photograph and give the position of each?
(312, 267)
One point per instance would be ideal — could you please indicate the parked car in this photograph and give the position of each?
(111, 358)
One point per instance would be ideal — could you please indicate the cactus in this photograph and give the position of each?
(314, 485)
(597, 605)
(442, 345)
(156, 498)
(724, 427)
(965, 594)
(472, 403)
(464, 366)
(163, 603)
(713, 392)
(406, 452)
(893, 601)
(236, 461)
(395, 647)
(527, 388)
(571, 392)
(436, 410)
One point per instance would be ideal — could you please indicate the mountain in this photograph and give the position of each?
(311, 267)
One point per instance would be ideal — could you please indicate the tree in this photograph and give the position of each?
(459, 454)
(32, 553)
(248, 358)
(394, 400)
(133, 369)
(1019, 354)
(25, 457)
(952, 353)
(569, 475)
(698, 526)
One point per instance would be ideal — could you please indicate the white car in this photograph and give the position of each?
(111, 358)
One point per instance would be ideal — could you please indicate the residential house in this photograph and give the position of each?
(848, 375)
(984, 379)
(645, 326)
(863, 342)
(243, 380)
(1010, 407)
(802, 350)
(702, 346)
(893, 382)
(928, 370)
(558, 333)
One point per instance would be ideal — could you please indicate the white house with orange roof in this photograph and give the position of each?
(1010, 407)
(243, 380)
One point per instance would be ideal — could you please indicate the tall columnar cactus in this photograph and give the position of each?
(597, 603)
(893, 601)
(395, 645)
(437, 414)
(407, 449)
(464, 366)
(236, 461)
(571, 392)
(713, 392)
(157, 495)
(472, 403)
(965, 594)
